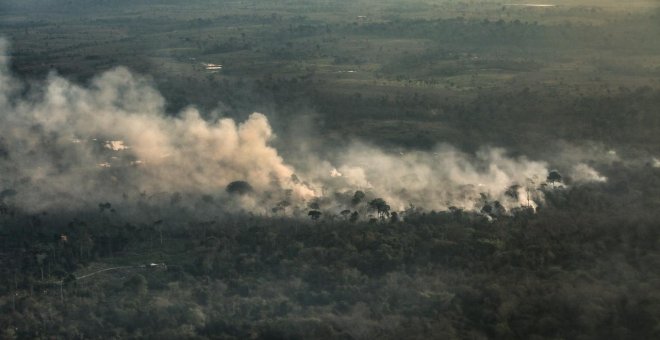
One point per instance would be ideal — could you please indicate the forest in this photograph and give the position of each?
(327, 169)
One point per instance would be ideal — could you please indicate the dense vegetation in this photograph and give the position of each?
(583, 266)
(399, 74)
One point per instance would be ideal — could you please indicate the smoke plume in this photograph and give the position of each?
(67, 146)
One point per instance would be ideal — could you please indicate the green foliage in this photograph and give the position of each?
(314, 214)
(358, 197)
(239, 188)
(380, 206)
(554, 177)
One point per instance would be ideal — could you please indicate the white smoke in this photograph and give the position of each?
(655, 162)
(115, 145)
(69, 147)
(439, 179)
(583, 173)
(56, 160)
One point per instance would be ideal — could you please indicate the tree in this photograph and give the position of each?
(357, 198)
(512, 191)
(394, 217)
(380, 206)
(314, 214)
(239, 188)
(354, 217)
(553, 177)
